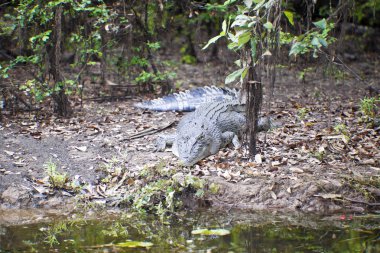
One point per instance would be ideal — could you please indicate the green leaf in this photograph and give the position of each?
(259, 5)
(268, 25)
(241, 20)
(323, 42)
(244, 38)
(234, 75)
(251, 24)
(315, 42)
(232, 37)
(228, 2)
(232, 45)
(245, 71)
(224, 26)
(220, 232)
(290, 16)
(134, 244)
(212, 40)
(322, 24)
(296, 48)
(248, 3)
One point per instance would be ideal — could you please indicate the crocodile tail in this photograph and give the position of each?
(189, 100)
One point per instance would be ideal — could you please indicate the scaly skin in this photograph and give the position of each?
(205, 131)
(189, 100)
(218, 119)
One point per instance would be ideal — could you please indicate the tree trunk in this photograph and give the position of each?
(254, 95)
(62, 104)
(103, 60)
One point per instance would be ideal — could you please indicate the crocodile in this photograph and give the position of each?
(218, 120)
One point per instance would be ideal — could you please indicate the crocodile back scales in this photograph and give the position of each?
(189, 100)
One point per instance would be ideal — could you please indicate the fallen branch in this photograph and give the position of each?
(361, 202)
(107, 98)
(338, 197)
(149, 131)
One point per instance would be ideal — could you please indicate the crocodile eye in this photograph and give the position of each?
(200, 137)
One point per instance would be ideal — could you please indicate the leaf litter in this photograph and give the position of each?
(306, 163)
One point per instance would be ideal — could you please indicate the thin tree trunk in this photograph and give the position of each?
(103, 60)
(254, 90)
(60, 98)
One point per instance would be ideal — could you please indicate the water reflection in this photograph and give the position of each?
(249, 232)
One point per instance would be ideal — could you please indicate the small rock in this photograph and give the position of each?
(15, 195)
(296, 170)
(258, 159)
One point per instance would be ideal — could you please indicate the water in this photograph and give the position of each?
(248, 232)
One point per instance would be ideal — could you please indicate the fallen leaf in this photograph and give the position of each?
(81, 148)
(10, 153)
(368, 162)
(219, 231)
(41, 189)
(274, 196)
(329, 196)
(19, 164)
(134, 244)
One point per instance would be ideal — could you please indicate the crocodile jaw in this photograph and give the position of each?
(192, 149)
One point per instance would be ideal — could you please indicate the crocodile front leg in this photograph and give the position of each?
(223, 140)
(164, 141)
(228, 137)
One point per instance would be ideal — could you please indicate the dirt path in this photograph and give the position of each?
(307, 163)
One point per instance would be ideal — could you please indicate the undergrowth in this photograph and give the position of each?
(164, 188)
(159, 188)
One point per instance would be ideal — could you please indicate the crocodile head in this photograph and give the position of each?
(193, 148)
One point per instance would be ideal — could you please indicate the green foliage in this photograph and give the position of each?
(163, 190)
(214, 188)
(302, 113)
(53, 231)
(117, 230)
(303, 72)
(154, 45)
(343, 130)
(319, 155)
(311, 41)
(367, 10)
(188, 59)
(369, 107)
(147, 77)
(246, 25)
(36, 19)
(56, 179)
(138, 61)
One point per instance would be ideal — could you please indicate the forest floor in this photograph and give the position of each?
(322, 157)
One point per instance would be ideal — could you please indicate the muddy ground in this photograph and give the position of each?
(306, 163)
